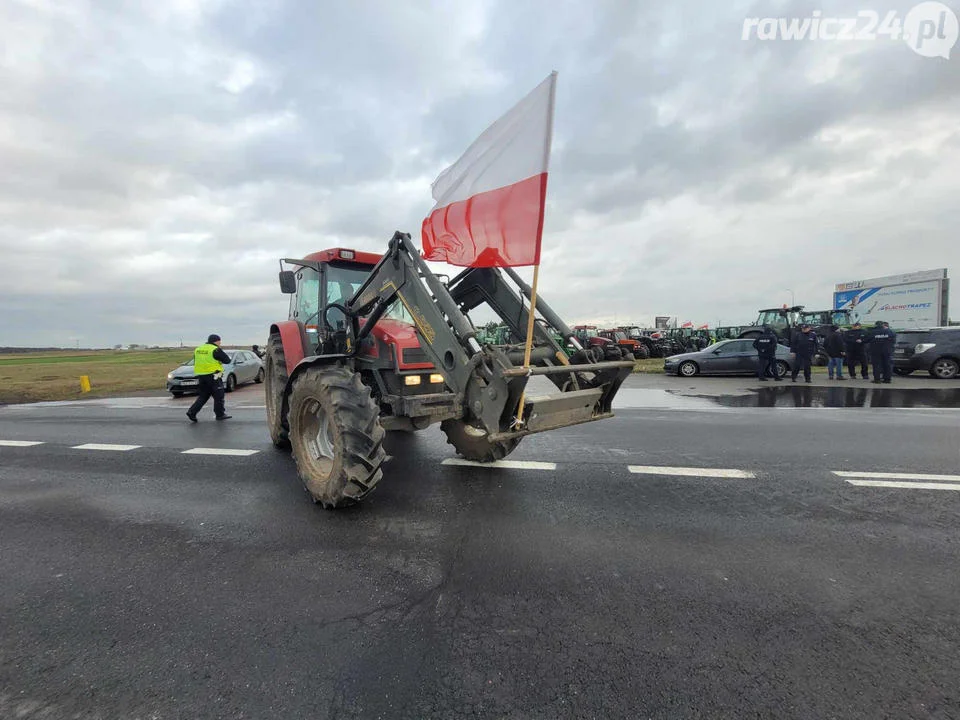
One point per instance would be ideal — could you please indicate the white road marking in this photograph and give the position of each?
(906, 485)
(19, 443)
(896, 476)
(219, 451)
(105, 446)
(690, 471)
(504, 464)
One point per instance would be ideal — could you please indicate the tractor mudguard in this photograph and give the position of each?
(294, 338)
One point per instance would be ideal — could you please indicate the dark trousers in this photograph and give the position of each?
(858, 358)
(882, 366)
(802, 362)
(767, 366)
(209, 386)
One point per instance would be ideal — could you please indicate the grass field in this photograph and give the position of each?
(56, 375)
(652, 365)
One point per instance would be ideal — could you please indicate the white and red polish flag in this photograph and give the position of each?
(490, 202)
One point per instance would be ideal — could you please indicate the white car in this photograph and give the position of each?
(244, 367)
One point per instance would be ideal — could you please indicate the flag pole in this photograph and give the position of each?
(528, 347)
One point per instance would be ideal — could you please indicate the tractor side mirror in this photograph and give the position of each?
(288, 282)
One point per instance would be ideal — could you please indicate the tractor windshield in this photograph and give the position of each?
(343, 283)
(776, 319)
(841, 317)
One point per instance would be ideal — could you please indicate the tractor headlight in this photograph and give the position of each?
(923, 347)
(411, 380)
(436, 379)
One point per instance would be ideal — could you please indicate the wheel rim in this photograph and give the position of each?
(945, 368)
(317, 433)
(688, 369)
(231, 383)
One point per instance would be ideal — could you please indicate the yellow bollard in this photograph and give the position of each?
(84, 383)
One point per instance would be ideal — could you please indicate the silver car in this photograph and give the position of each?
(727, 357)
(244, 367)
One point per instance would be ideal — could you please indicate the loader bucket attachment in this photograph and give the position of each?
(587, 397)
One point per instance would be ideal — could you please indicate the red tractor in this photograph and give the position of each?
(375, 343)
(627, 344)
(591, 337)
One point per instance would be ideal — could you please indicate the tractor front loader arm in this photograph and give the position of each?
(446, 334)
(488, 383)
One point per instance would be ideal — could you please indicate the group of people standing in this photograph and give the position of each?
(850, 348)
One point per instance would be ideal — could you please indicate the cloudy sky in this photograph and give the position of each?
(156, 159)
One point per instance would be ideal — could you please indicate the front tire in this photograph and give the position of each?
(782, 368)
(260, 375)
(945, 368)
(177, 394)
(336, 436)
(473, 444)
(688, 368)
(275, 364)
(231, 383)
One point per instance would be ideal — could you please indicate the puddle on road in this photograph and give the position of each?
(840, 397)
(791, 396)
(647, 398)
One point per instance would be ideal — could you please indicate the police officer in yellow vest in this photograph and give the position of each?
(208, 362)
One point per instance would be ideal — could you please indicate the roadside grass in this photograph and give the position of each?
(56, 375)
(650, 365)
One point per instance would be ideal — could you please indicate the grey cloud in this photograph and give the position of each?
(157, 164)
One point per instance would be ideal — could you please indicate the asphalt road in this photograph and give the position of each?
(149, 583)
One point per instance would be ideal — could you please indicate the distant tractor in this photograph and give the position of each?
(786, 321)
(590, 337)
(375, 343)
(683, 340)
(627, 344)
(649, 343)
(783, 322)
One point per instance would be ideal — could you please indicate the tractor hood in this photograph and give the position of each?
(402, 337)
(396, 332)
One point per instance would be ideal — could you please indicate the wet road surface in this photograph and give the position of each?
(689, 558)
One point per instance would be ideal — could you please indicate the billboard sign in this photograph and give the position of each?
(905, 301)
(662, 322)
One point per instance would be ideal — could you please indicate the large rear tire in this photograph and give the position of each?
(473, 443)
(336, 436)
(275, 364)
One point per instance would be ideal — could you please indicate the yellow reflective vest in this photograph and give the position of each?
(204, 362)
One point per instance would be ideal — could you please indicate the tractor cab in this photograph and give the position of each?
(825, 318)
(320, 287)
(780, 319)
